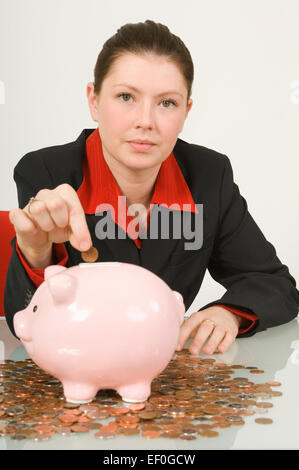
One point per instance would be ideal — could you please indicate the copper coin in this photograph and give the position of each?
(264, 404)
(240, 422)
(150, 427)
(93, 425)
(171, 434)
(79, 428)
(128, 432)
(151, 434)
(137, 406)
(64, 430)
(188, 437)
(69, 419)
(147, 414)
(73, 412)
(222, 425)
(83, 418)
(263, 420)
(256, 371)
(119, 411)
(112, 426)
(45, 429)
(246, 413)
(71, 406)
(42, 437)
(276, 393)
(105, 434)
(273, 383)
(209, 433)
(90, 256)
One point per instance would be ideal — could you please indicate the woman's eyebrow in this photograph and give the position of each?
(160, 94)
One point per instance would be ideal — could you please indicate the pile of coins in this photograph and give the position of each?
(192, 397)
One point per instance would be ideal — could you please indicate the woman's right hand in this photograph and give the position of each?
(55, 217)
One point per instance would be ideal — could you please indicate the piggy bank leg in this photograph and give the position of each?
(75, 392)
(135, 393)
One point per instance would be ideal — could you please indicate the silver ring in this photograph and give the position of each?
(31, 200)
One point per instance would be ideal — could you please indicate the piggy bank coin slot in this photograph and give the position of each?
(103, 263)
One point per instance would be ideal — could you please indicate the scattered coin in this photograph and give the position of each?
(209, 433)
(263, 420)
(64, 431)
(188, 437)
(273, 383)
(79, 428)
(151, 434)
(264, 404)
(105, 434)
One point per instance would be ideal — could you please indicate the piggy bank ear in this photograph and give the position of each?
(62, 288)
(181, 305)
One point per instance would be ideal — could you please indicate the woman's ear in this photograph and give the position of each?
(92, 101)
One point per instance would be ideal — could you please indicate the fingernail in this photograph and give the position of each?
(84, 245)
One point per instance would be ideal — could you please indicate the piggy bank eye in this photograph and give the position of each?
(35, 308)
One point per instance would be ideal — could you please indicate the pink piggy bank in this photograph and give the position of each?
(102, 325)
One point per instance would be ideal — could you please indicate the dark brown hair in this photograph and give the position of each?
(144, 38)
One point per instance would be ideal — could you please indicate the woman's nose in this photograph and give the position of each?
(145, 116)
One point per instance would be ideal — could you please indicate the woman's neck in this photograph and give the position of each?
(137, 186)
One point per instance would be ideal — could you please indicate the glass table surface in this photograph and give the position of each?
(275, 351)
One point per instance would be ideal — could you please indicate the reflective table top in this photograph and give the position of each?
(275, 351)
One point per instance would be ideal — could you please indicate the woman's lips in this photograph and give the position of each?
(141, 147)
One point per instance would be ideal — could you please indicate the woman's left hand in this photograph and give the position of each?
(222, 335)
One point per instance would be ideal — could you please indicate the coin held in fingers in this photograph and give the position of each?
(91, 255)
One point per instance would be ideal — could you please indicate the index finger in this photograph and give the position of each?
(187, 328)
(79, 235)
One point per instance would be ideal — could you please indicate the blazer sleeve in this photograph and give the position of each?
(30, 175)
(246, 264)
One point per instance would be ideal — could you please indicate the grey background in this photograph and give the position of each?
(245, 92)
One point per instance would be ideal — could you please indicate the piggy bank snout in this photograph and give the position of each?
(21, 325)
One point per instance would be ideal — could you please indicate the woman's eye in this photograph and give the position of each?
(128, 95)
(124, 94)
(169, 101)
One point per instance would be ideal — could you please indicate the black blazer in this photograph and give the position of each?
(234, 249)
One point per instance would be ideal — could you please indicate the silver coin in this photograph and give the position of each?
(222, 387)
(260, 411)
(18, 437)
(188, 437)
(189, 431)
(167, 391)
(233, 418)
(176, 411)
(15, 411)
(237, 405)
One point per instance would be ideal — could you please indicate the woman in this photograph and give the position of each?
(140, 100)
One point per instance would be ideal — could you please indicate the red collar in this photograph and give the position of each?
(99, 185)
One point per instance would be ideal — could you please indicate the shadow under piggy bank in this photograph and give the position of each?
(107, 325)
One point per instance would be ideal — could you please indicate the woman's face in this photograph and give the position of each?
(142, 97)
